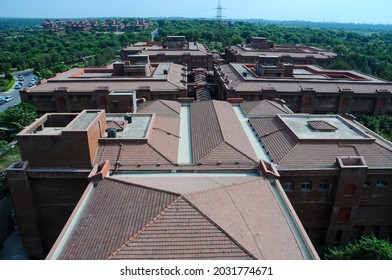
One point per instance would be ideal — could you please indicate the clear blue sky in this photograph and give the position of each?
(356, 11)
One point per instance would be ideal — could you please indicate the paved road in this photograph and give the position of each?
(28, 75)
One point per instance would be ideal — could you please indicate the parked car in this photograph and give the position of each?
(20, 78)
(8, 98)
(2, 101)
(18, 86)
(30, 84)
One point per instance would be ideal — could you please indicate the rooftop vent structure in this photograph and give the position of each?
(128, 118)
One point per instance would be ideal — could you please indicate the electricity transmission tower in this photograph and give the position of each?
(218, 30)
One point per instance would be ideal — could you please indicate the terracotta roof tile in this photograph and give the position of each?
(317, 154)
(130, 221)
(180, 232)
(186, 184)
(217, 135)
(275, 136)
(131, 155)
(253, 225)
(164, 137)
(206, 134)
(263, 108)
(115, 212)
(161, 108)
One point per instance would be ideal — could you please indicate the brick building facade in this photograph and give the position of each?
(305, 88)
(175, 49)
(286, 54)
(114, 89)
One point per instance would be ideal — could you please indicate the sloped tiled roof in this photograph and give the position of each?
(275, 136)
(217, 135)
(287, 150)
(180, 232)
(185, 184)
(263, 108)
(225, 218)
(161, 108)
(251, 224)
(131, 156)
(110, 218)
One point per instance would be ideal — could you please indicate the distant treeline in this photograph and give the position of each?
(367, 51)
(19, 23)
(327, 25)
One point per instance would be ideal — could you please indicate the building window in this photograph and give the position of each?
(308, 101)
(338, 236)
(381, 184)
(102, 101)
(306, 186)
(367, 184)
(343, 215)
(62, 101)
(288, 186)
(345, 102)
(349, 190)
(323, 186)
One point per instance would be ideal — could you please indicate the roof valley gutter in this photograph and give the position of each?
(185, 144)
(254, 141)
(295, 225)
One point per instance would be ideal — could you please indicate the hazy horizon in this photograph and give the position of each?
(349, 11)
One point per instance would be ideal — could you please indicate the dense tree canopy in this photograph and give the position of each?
(50, 53)
(366, 50)
(366, 248)
(382, 125)
(14, 119)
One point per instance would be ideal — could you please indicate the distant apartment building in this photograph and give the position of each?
(60, 27)
(114, 88)
(305, 88)
(287, 54)
(175, 49)
(206, 161)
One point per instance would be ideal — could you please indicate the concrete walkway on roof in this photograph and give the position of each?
(261, 153)
(185, 145)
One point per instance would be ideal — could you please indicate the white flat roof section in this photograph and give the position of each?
(185, 145)
(299, 125)
(136, 129)
(261, 153)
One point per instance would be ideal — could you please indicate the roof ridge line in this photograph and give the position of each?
(273, 104)
(219, 227)
(231, 145)
(206, 155)
(134, 236)
(220, 186)
(289, 152)
(162, 101)
(149, 144)
(117, 180)
(220, 125)
(256, 102)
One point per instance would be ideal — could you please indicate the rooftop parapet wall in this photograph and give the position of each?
(62, 140)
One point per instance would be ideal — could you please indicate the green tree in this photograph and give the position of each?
(367, 248)
(16, 118)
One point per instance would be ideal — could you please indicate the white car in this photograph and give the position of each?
(8, 98)
(18, 86)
